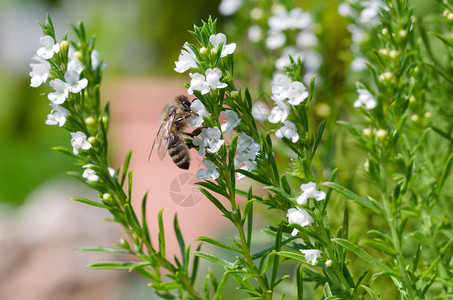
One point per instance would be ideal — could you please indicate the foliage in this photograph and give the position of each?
(403, 131)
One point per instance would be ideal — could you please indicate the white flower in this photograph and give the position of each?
(40, 71)
(73, 83)
(306, 39)
(186, 60)
(345, 10)
(74, 64)
(217, 39)
(309, 191)
(61, 91)
(57, 115)
(210, 172)
(260, 111)
(49, 47)
(247, 149)
(197, 119)
(298, 216)
(275, 39)
(213, 79)
(198, 83)
(297, 93)
(249, 166)
(233, 121)
(111, 171)
(79, 141)
(365, 98)
(254, 33)
(280, 86)
(89, 174)
(229, 7)
(369, 14)
(359, 64)
(288, 130)
(298, 19)
(279, 113)
(210, 140)
(283, 60)
(311, 255)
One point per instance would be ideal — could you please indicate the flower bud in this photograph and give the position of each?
(214, 51)
(78, 55)
(412, 99)
(384, 52)
(91, 140)
(107, 197)
(381, 134)
(90, 121)
(385, 31)
(428, 115)
(450, 16)
(234, 94)
(414, 118)
(328, 263)
(256, 13)
(322, 110)
(387, 76)
(367, 132)
(64, 46)
(393, 54)
(402, 33)
(203, 50)
(105, 120)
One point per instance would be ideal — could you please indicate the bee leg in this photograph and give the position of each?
(194, 133)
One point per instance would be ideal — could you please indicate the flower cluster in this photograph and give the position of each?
(247, 152)
(284, 92)
(59, 65)
(69, 83)
(302, 218)
(364, 15)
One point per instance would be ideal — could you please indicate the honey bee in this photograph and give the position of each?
(169, 138)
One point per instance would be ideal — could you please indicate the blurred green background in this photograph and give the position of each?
(135, 37)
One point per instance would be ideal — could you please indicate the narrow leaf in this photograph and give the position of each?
(365, 256)
(91, 202)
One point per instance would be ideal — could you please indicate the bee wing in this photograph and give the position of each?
(163, 137)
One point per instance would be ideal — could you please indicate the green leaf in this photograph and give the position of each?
(144, 224)
(161, 234)
(91, 202)
(381, 247)
(371, 293)
(104, 249)
(180, 239)
(368, 203)
(257, 178)
(292, 255)
(354, 132)
(132, 219)
(445, 173)
(217, 243)
(214, 187)
(319, 137)
(166, 286)
(126, 167)
(117, 265)
(217, 260)
(216, 202)
(279, 192)
(365, 256)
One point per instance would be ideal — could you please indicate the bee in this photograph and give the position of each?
(169, 138)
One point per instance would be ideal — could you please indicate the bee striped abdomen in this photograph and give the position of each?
(179, 152)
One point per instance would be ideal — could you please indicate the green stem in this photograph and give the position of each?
(248, 257)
